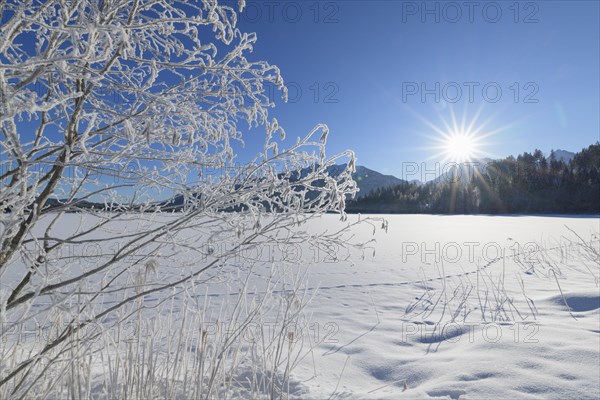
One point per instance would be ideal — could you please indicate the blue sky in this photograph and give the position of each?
(361, 67)
(384, 75)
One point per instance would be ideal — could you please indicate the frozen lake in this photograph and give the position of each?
(547, 355)
(439, 306)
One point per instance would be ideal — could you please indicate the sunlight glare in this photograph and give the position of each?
(460, 146)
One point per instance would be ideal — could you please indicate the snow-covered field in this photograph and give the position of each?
(439, 306)
(551, 355)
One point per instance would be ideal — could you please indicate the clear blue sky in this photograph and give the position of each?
(367, 58)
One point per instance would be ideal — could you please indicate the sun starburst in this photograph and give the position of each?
(460, 146)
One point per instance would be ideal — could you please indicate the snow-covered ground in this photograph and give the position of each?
(388, 353)
(439, 306)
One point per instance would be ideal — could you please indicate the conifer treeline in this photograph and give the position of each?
(530, 183)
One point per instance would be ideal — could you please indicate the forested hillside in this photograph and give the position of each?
(530, 183)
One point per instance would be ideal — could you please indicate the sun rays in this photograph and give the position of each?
(462, 146)
(463, 139)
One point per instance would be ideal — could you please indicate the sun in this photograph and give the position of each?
(461, 139)
(460, 146)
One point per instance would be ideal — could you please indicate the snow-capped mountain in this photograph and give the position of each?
(564, 155)
(368, 180)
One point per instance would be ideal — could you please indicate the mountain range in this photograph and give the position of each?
(367, 180)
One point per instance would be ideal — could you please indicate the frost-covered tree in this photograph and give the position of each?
(108, 108)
